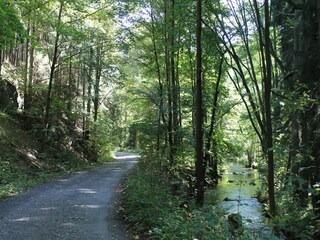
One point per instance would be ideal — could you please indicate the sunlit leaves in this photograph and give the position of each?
(10, 28)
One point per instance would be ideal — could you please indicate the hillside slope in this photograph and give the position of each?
(23, 163)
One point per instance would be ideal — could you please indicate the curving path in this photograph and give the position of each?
(80, 206)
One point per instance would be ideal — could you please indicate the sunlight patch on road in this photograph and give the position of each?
(115, 169)
(69, 224)
(48, 208)
(86, 190)
(127, 157)
(23, 219)
(63, 180)
(88, 206)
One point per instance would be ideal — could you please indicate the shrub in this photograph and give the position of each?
(153, 211)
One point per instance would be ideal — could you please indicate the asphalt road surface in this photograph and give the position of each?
(80, 206)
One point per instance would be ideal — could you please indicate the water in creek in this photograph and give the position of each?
(236, 193)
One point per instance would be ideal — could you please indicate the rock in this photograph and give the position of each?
(235, 223)
(262, 198)
(8, 96)
(252, 183)
(254, 165)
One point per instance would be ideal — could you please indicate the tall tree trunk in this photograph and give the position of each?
(84, 115)
(89, 94)
(97, 82)
(31, 62)
(169, 83)
(25, 78)
(200, 167)
(155, 52)
(52, 71)
(316, 151)
(70, 83)
(1, 63)
(208, 158)
(269, 133)
(174, 88)
(27, 100)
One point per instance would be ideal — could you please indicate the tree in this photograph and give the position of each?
(200, 164)
(11, 28)
(267, 93)
(53, 66)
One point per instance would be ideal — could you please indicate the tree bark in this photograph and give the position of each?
(26, 66)
(169, 83)
(208, 158)
(269, 133)
(88, 110)
(97, 82)
(200, 168)
(28, 97)
(0, 64)
(52, 71)
(155, 52)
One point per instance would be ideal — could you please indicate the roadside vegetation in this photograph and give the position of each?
(24, 163)
(153, 212)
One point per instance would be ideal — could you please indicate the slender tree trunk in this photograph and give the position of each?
(269, 135)
(0, 63)
(70, 83)
(295, 140)
(200, 168)
(26, 66)
(214, 160)
(155, 52)
(97, 82)
(52, 71)
(84, 88)
(27, 100)
(174, 88)
(31, 63)
(169, 83)
(89, 94)
(208, 158)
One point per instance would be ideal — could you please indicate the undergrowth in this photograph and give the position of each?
(24, 163)
(154, 213)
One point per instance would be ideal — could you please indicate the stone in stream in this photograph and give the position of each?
(252, 183)
(235, 223)
(227, 199)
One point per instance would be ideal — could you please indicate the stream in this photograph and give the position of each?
(235, 193)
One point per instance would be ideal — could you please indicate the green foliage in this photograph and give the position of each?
(153, 210)
(10, 27)
(106, 137)
(296, 224)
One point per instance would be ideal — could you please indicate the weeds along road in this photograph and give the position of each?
(80, 206)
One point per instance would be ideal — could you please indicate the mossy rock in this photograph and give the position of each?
(236, 224)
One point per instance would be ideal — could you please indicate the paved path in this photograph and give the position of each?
(80, 206)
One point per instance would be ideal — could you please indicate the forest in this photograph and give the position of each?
(196, 87)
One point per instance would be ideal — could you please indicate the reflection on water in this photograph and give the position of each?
(236, 193)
